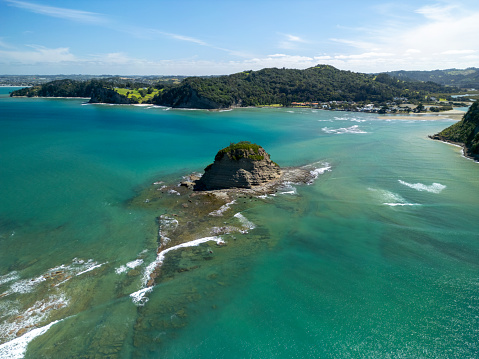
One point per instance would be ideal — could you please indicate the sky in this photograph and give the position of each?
(216, 37)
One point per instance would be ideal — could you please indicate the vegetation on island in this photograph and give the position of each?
(241, 150)
(465, 132)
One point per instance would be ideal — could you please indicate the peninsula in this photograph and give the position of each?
(464, 133)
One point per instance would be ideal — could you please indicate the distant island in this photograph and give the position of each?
(319, 85)
(464, 133)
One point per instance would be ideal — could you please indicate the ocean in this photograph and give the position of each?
(378, 258)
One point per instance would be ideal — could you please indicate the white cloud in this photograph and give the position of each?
(359, 44)
(63, 13)
(294, 38)
(39, 54)
(444, 37)
(413, 51)
(290, 42)
(458, 52)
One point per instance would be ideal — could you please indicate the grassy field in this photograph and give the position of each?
(136, 92)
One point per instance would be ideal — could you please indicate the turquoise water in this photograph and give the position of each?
(378, 258)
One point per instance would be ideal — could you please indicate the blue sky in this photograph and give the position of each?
(191, 37)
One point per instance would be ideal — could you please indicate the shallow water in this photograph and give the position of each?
(377, 258)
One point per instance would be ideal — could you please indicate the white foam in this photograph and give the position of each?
(91, 268)
(392, 199)
(434, 188)
(319, 171)
(339, 131)
(222, 209)
(287, 188)
(172, 191)
(24, 285)
(161, 256)
(9, 277)
(247, 224)
(129, 265)
(139, 296)
(357, 120)
(30, 317)
(16, 348)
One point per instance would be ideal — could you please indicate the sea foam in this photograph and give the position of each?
(138, 296)
(247, 224)
(434, 188)
(129, 265)
(223, 208)
(392, 199)
(9, 277)
(30, 317)
(339, 131)
(16, 348)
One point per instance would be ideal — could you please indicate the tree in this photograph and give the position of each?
(420, 108)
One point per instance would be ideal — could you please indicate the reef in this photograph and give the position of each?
(205, 211)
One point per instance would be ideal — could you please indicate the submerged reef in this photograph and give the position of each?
(201, 214)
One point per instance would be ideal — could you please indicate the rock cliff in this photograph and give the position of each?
(464, 132)
(240, 165)
(106, 95)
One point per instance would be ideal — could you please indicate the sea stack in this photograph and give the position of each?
(240, 165)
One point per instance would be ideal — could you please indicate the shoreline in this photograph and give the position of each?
(446, 115)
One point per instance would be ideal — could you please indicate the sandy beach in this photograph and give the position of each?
(451, 114)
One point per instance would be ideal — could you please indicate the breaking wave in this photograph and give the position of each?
(434, 188)
(392, 199)
(16, 348)
(339, 131)
(138, 297)
(247, 224)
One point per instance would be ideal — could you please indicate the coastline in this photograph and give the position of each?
(446, 115)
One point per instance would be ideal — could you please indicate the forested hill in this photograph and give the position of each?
(464, 132)
(250, 88)
(284, 86)
(468, 78)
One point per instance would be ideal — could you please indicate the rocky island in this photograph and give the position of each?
(240, 165)
(208, 208)
(464, 133)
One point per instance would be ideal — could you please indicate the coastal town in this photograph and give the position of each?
(399, 106)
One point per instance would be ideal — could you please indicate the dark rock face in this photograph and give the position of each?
(105, 95)
(464, 132)
(185, 96)
(240, 165)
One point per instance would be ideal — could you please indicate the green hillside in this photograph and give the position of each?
(468, 78)
(464, 132)
(284, 86)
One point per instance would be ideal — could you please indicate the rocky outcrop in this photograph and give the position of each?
(185, 96)
(240, 165)
(106, 95)
(464, 133)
